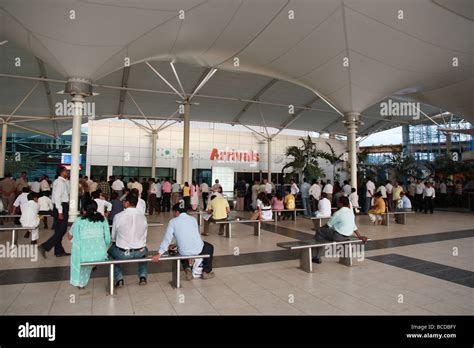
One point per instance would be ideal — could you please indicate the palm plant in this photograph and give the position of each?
(304, 160)
(334, 159)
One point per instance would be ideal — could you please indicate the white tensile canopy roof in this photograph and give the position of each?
(282, 61)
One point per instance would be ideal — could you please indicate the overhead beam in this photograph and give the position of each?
(296, 116)
(165, 81)
(254, 99)
(49, 97)
(123, 92)
(22, 101)
(199, 84)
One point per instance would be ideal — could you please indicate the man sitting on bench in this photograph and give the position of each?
(339, 228)
(219, 208)
(403, 205)
(185, 230)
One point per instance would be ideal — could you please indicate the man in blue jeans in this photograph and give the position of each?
(184, 229)
(129, 232)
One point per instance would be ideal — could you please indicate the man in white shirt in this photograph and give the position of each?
(370, 191)
(137, 185)
(354, 200)
(328, 189)
(35, 186)
(141, 205)
(159, 195)
(305, 197)
(346, 189)
(216, 186)
(419, 188)
(294, 188)
(19, 201)
(443, 193)
(29, 216)
(60, 198)
(428, 197)
(152, 197)
(45, 208)
(118, 186)
(324, 207)
(175, 188)
(129, 231)
(103, 207)
(204, 194)
(388, 189)
(315, 193)
(44, 185)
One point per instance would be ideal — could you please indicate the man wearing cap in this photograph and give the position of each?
(185, 230)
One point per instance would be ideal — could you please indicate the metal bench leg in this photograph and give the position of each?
(276, 216)
(176, 280)
(200, 220)
(347, 258)
(306, 262)
(294, 215)
(401, 218)
(256, 229)
(13, 239)
(228, 230)
(111, 279)
(385, 220)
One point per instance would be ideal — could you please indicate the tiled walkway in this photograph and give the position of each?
(427, 269)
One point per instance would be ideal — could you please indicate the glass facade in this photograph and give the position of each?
(142, 172)
(39, 154)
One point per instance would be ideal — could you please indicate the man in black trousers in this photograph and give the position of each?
(60, 198)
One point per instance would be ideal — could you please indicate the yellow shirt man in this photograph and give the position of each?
(186, 190)
(219, 207)
(290, 202)
(396, 192)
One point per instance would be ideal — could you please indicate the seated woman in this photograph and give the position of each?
(277, 203)
(90, 237)
(378, 208)
(290, 204)
(264, 208)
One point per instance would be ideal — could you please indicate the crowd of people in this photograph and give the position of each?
(113, 222)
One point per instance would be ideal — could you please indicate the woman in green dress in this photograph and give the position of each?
(90, 237)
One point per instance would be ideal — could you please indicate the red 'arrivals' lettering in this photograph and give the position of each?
(233, 155)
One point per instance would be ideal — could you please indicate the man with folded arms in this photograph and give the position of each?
(339, 228)
(129, 232)
(185, 230)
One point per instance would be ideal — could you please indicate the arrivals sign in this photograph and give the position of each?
(232, 155)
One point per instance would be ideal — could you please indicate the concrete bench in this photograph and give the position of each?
(176, 267)
(306, 254)
(399, 215)
(286, 210)
(318, 221)
(13, 229)
(228, 225)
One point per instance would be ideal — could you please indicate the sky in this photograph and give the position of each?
(388, 137)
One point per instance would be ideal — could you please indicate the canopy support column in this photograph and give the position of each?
(78, 101)
(154, 137)
(185, 175)
(3, 151)
(79, 89)
(269, 153)
(352, 121)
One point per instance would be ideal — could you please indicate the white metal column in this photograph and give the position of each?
(185, 175)
(3, 151)
(269, 154)
(154, 136)
(78, 101)
(352, 121)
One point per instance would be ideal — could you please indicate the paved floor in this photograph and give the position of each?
(424, 267)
